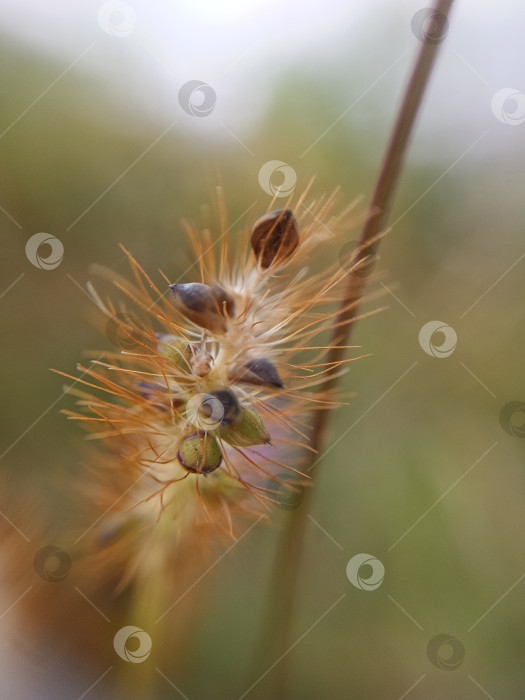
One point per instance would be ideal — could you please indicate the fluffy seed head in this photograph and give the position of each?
(220, 381)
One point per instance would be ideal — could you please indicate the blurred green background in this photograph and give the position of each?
(421, 442)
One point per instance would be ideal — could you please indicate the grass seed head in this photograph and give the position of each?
(220, 382)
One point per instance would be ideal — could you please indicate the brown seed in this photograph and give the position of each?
(275, 237)
(206, 306)
(221, 405)
(223, 300)
(260, 371)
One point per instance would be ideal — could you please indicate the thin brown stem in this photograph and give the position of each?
(288, 557)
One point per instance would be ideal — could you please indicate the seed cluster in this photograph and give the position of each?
(219, 415)
(204, 405)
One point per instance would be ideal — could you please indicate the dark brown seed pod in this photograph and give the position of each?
(275, 237)
(259, 371)
(223, 402)
(208, 307)
(223, 300)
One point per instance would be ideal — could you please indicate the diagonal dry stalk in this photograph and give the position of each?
(285, 576)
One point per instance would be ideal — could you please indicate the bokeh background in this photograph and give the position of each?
(96, 150)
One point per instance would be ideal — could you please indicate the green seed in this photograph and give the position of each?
(200, 453)
(177, 350)
(248, 430)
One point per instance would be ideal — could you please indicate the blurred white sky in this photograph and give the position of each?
(240, 46)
